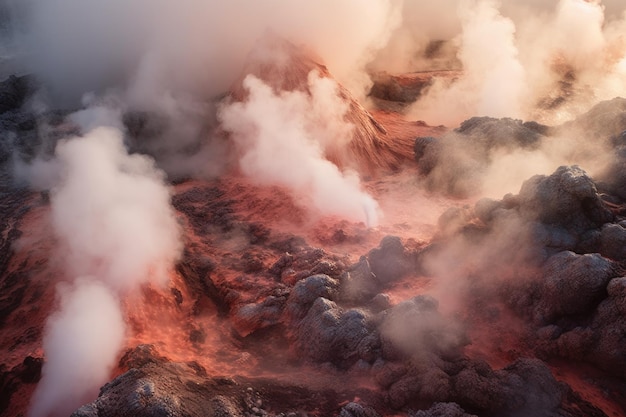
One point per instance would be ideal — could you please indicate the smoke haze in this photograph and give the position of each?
(111, 63)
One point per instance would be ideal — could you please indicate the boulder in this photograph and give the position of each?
(305, 293)
(390, 261)
(442, 410)
(572, 284)
(568, 198)
(357, 410)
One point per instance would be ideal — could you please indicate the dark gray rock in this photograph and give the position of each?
(455, 163)
(357, 410)
(568, 198)
(442, 410)
(604, 120)
(359, 283)
(572, 285)
(526, 386)
(427, 152)
(390, 261)
(603, 343)
(165, 390)
(613, 242)
(256, 316)
(304, 294)
(491, 133)
(329, 334)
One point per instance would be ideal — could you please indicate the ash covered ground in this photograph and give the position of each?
(313, 209)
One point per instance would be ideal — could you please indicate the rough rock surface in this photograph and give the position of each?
(568, 198)
(442, 410)
(572, 285)
(454, 163)
(567, 283)
(154, 386)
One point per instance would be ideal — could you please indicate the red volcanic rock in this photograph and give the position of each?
(286, 67)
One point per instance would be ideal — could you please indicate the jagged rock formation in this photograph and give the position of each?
(573, 244)
(372, 149)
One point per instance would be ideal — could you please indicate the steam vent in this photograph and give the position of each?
(324, 209)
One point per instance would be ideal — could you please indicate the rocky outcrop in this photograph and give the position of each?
(572, 285)
(370, 150)
(568, 199)
(154, 386)
(455, 163)
(554, 254)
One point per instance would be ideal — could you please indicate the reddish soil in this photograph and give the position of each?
(156, 317)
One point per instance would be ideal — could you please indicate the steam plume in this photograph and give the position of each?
(282, 142)
(81, 343)
(493, 78)
(117, 231)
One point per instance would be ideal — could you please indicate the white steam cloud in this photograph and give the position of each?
(522, 59)
(81, 343)
(112, 215)
(493, 79)
(283, 137)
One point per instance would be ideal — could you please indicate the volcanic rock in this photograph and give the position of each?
(572, 284)
(384, 265)
(357, 410)
(415, 328)
(255, 316)
(155, 386)
(359, 283)
(604, 120)
(454, 163)
(442, 410)
(304, 294)
(427, 152)
(329, 334)
(568, 198)
(391, 260)
(372, 148)
(489, 133)
(406, 88)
